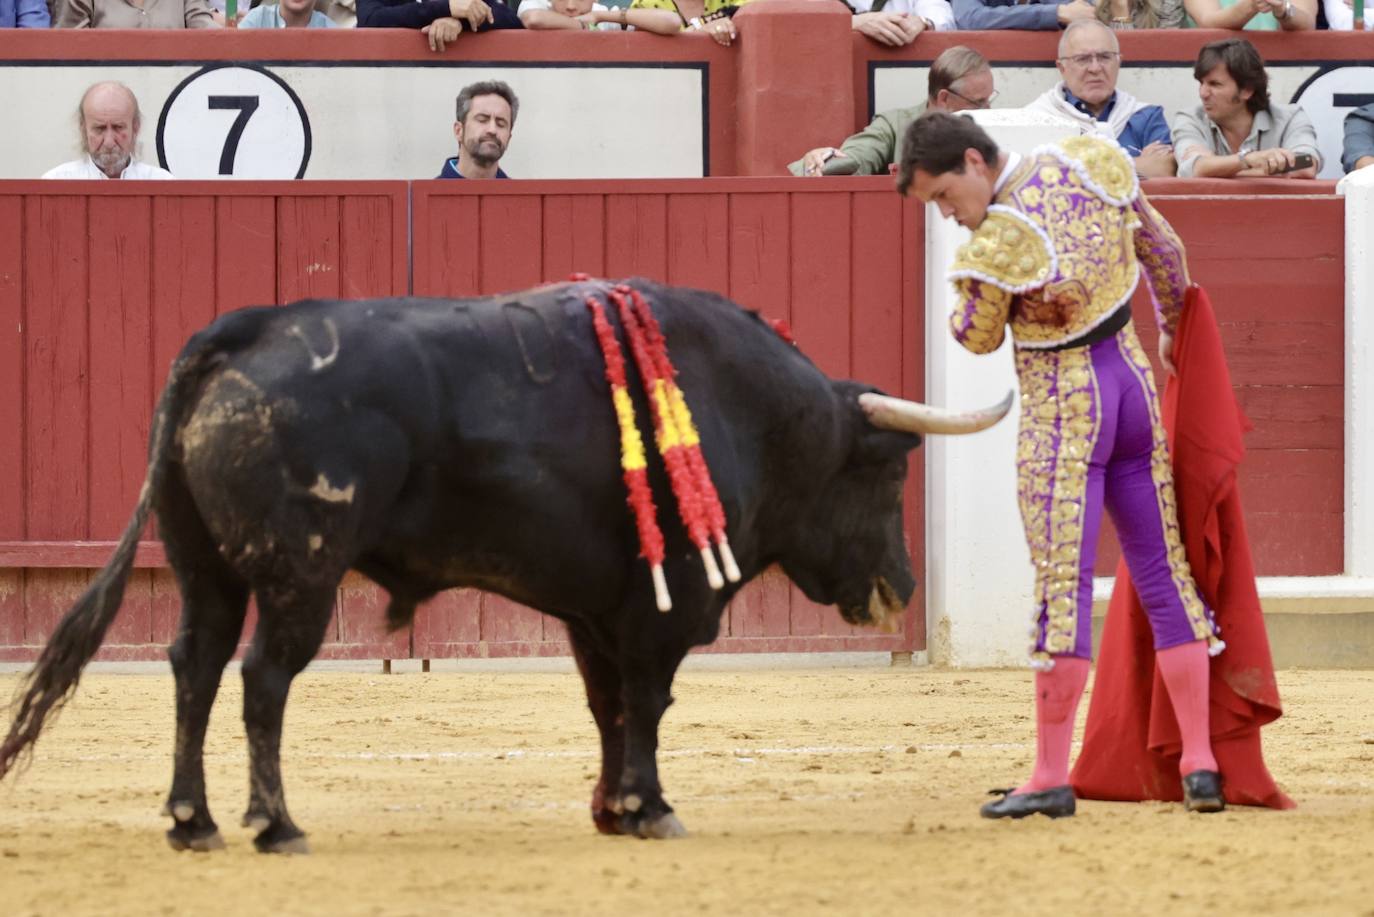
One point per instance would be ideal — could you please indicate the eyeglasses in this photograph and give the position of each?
(976, 103)
(1084, 61)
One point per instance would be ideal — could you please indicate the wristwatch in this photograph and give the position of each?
(1287, 10)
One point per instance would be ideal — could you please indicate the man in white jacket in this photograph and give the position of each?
(1090, 62)
(109, 120)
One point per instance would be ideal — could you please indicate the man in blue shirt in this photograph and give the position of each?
(486, 116)
(24, 14)
(1090, 62)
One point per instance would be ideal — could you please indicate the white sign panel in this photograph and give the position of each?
(362, 120)
(234, 122)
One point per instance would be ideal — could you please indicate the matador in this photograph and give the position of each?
(1060, 239)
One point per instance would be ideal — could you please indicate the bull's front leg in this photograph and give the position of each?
(645, 695)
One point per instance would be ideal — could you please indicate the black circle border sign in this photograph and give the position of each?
(291, 94)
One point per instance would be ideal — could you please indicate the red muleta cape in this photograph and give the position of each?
(1131, 745)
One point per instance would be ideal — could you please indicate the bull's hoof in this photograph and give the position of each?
(663, 827)
(280, 839)
(200, 840)
(606, 821)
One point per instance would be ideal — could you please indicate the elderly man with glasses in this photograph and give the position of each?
(1090, 62)
(960, 79)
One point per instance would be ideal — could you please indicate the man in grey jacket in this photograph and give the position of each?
(1358, 152)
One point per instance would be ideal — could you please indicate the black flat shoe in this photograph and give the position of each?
(1056, 802)
(1202, 792)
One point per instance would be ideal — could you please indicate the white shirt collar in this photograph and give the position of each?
(1013, 160)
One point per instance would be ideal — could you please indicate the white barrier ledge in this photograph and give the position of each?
(1358, 188)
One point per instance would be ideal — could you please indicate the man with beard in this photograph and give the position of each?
(108, 120)
(486, 116)
(1237, 132)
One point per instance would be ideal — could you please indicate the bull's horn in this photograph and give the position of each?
(914, 417)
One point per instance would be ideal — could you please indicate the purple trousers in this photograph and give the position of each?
(1091, 439)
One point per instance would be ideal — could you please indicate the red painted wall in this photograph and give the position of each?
(104, 282)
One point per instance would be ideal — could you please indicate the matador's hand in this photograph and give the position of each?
(1166, 352)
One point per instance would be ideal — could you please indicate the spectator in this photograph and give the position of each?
(897, 22)
(1237, 131)
(709, 16)
(486, 116)
(1358, 152)
(441, 20)
(586, 14)
(108, 120)
(1263, 15)
(286, 14)
(1031, 14)
(1340, 14)
(340, 12)
(1090, 62)
(1140, 14)
(136, 14)
(24, 14)
(960, 79)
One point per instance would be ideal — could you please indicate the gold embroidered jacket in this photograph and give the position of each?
(1061, 248)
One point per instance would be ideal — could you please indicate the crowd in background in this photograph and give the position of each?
(889, 22)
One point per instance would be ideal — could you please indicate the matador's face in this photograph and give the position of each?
(962, 194)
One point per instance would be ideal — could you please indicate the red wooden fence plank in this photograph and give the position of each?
(11, 607)
(877, 303)
(165, 607)
(508, 244)
(504, 621)
(133, 626)
(184, 275)
(760, 276)
(56, 366)
(362, 621)
(913, 386)
(307, 248)
(762, 608)
(699, 241)
(121, 394)
(574, 235)
(450, 618)
(636, 236)
(368, 247)
(447, 261)
(821, 278)
(48, 595)
(245, 252)
(12, 401)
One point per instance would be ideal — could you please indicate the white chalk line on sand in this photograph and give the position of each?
(739, 754)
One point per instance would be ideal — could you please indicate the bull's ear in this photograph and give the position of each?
(876, 447)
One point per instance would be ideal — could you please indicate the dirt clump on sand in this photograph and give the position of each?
(844, 791)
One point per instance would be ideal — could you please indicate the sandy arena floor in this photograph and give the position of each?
(839, 791)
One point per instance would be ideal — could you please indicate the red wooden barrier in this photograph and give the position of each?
(1273, 266)
(100, 285)
(840, 261)
(103, 282)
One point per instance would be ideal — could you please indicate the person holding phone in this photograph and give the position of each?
(1236, 131)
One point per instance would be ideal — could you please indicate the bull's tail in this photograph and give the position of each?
(78, 636)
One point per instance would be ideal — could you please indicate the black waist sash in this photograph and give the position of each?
(1114, 323)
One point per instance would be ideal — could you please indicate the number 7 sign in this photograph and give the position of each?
(234, 121)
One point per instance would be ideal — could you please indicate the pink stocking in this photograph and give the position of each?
(1056, 701)
(1186, 670)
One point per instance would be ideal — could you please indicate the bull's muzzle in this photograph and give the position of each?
(885, 609)
(913, 417)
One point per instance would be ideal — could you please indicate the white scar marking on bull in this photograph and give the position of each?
(331, 494)
(316, 542)
(318, 362)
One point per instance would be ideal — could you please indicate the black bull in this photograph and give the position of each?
(439, 443)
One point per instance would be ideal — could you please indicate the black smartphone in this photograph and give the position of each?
(1300, 162)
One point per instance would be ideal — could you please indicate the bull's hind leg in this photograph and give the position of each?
(213, 603)
(291, 626)
(602, 680)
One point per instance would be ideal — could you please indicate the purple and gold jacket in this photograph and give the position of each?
(1061, 250)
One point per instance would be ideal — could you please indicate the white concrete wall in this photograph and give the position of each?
(978, 570)
(1358, 188)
